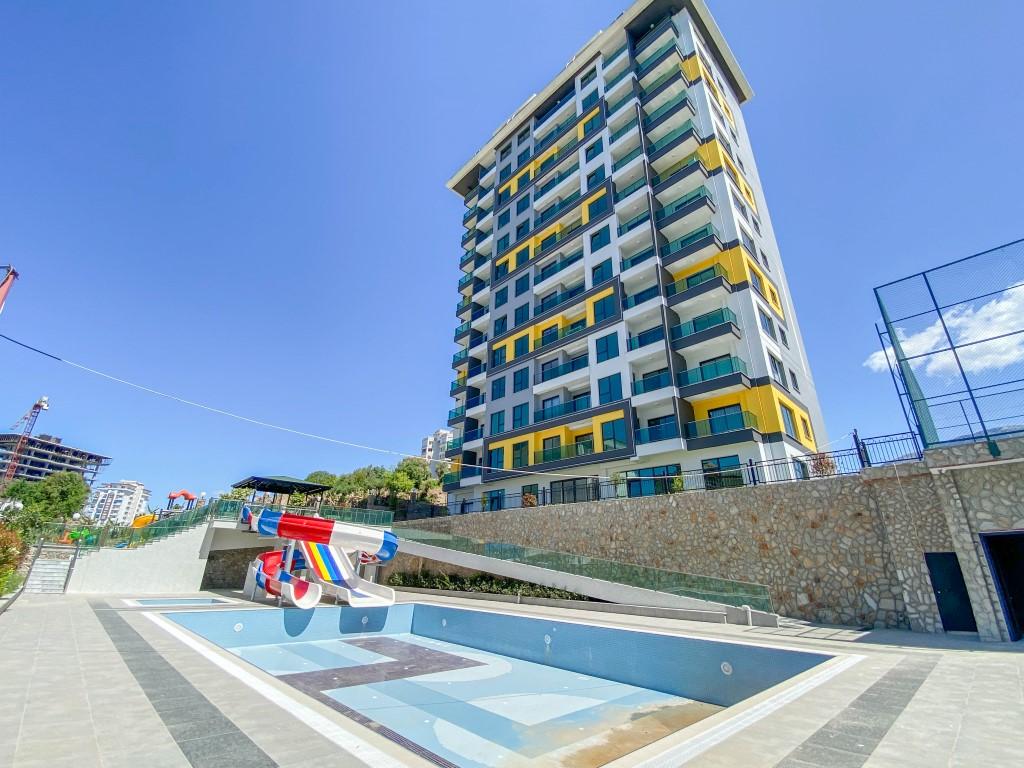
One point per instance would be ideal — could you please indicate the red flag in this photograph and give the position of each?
(5, 286)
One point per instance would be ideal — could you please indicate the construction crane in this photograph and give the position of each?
(26, 424)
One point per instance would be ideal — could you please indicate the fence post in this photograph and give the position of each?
(862, 451)
(753, 471)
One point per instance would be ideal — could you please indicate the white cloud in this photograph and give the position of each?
(1002, 315)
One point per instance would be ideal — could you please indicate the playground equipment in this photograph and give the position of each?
(143, 520)
(188, 496)
(321, 550)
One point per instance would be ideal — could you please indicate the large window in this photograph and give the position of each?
(521, 454)
(602, 272)
(613, 435)
(766, 323)
(594, 150)
(778, 372)
(521, 380)
(523, 203)
(604, 308)
(725, 419)
(502, 243)
(595, 177)
(505, 152)
(568, 491)
(500, 271)
(501, 297)
(497, 357)
(521, 415)
(500, 325)
(522, 157)
(600, 239)
(522, 346)
(522, 229)
(505, 172)
(597, 207)
(497, 423)
(504, 217)
(494, 500)
(788, 422)
(498, 388)
(607, 347)
(609, 389)
(522, 315)
(651, 480)
(723, 472)
(496, 459)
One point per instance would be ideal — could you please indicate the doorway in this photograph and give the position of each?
(950, 592)
(1005, 552)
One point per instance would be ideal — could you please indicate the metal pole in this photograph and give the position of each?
(896, 386)
(992, 447)
(71, 566)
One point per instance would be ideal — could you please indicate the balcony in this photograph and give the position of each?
(450, 481)
(462, 330)
(563, 333)
(669, 211)
(570, 451)
(627, 128)
(459, 356)
(476, 370)
(686, 334)
(652, 36)
(613, 108)
(475, 402)
(557, 266)
(670, 138)
(560, 370)
(639, 298)
(656, 434)
(458, 384)
(467, 258)
(637, 258)
(622, 194)
(453, 445)
(555, 180)
(571, 95)
(470, 471)
(700, 280)
(470, 235)
(652, 383)
(558, 299)
(574, 406)
(476, 341)
(627, 158)
(611, 57)
(555, 209)
(610, 85)
(465, 280)
(653, 59)
(463, 305)
(455, 414)
(696, 242)
(644, 338)
(729, 372)
(634, 222)
(718, 425)
(473, 434)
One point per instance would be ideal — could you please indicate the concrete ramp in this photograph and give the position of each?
(626, 583)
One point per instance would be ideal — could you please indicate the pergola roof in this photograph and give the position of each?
(280, 484)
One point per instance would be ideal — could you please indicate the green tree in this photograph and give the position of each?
(398, 482)
(418, 471)
(239, 494)
(321, 477)
(55, 497)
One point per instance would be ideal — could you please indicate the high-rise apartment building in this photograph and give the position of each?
(43, 455)
(624, 310)
(433, 447)
(117, 503)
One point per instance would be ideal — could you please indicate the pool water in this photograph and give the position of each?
(475, 688)
(179, 601)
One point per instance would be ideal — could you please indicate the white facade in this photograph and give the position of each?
(117, 503)
(433, 446)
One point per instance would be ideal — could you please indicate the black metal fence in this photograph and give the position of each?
(953, 340)
(867, 452)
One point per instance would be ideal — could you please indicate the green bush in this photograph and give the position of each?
(10, 581)
(481, 582)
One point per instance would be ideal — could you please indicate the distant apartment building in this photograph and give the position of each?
(434, 446)
(623, 307)
(117, 503)
(43, 455)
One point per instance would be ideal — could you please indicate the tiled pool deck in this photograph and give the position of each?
(90, 681)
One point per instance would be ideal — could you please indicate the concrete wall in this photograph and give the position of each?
(844, 550)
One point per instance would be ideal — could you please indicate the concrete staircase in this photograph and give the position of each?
(50, 570)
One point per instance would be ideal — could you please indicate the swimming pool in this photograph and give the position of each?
(170, 602)
(475, 689)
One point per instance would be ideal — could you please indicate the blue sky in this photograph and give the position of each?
(244, 204)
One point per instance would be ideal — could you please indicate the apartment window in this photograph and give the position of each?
(522, 229)
(600, 239)
(588, 78)
(521, 380)
(500, 325)
(793, 381)
(501, 296)
(778, 372)
(505, 173)
(788, 421)
(523, 157)
(807, 428)
(524, 135)
(520, 415)
(498, 389)
(568, 491)
(505, 152)
(497, 423)
(550, 402)
(739, 162)
(502, 243)
(609, 389)
(613, 435)
(604, 308)
(723, 472)
(591, 124)
(782, 337)
(594, 150)
(602, 272)
(755, 223)
(590, 100)
(607, 347)
(755, 280)
(548, 335)
(748, 241)
(495, 500)
(741, 209)
(773, 295)
(521, 454)
(521, 346)
(522, 315)
(597, 207)
(503, 196)
(498, 357)
(496, 459)
(651, 480)
(552, 448)
(766, 323)
(725, 419)
(504, 217)
(764, 260)
(595, 177)
(522, 284)
(584, 444)
(530, 490)
(523, 203)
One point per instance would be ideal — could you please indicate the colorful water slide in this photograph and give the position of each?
(324, 551)
(275, 580)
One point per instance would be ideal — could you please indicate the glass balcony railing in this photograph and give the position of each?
(630, 126)
(570, 451)
(639, 298)
(544, 142)
(652, 35)
(562, 205)
(705, 275)
(554, 108)
(689, 239)
(607, 60)
(457, 413)
(643, 67)
(652, 383)
(555, 180)
(479, 285)
(454, 444)
(638, 258)
(554, 372)
(459, 356)
(473, 402)
(553, 240)
(473, 434)
(472, 471)
(487, 169)
(465, 280)
(461, 329)
(635, 222)
(557, 266)
(551, 338)
(711, 371)
(458, 383)
(681, 202)
(669, 137)
(703, 322)
(590, 100)
(469, 236)
(476, 370)
(716, 425)
(675, 168)
(666, 431)
(554, 411)
(629, 189)
(467, 257)
(612, 109)
(450, 478)
(627, 158)
(558, 299)
(478, 313)
(463, 305)
(662, 79)
(476, 341)
(642, 339)
(618, 79)
(665, 108)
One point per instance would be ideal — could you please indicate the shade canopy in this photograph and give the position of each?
(280, 484)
